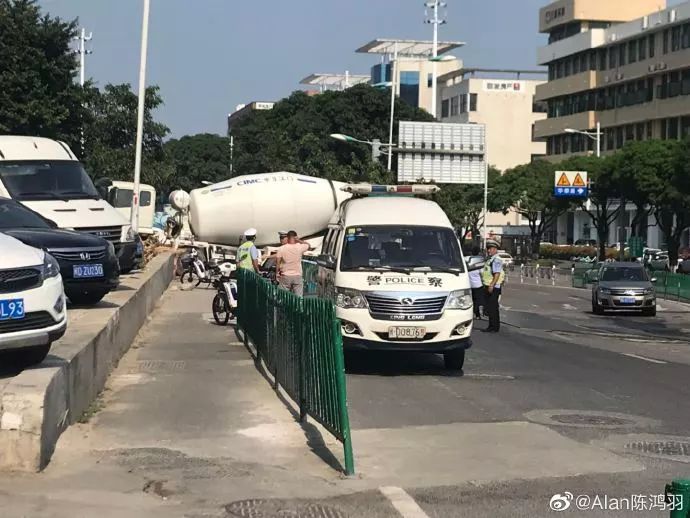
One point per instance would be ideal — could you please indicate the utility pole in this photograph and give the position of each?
(434, 5)
(140, 115)
(394, 78)
(232, 149)
(82, 51)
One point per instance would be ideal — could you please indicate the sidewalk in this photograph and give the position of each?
(185, 413)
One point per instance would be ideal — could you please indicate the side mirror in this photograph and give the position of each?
(475, 263)
(327, 261)
(111, 196)
(654, 280)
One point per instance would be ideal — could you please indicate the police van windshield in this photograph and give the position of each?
(45, 180)
(406, 248)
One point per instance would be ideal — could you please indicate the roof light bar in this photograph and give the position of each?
(366, 188)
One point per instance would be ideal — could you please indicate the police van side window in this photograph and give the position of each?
(325, 249)
(335, 240)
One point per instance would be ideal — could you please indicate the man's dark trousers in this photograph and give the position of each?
(491, 308)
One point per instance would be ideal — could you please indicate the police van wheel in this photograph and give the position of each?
(454, 360)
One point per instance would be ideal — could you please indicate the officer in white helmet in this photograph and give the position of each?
(247, 253)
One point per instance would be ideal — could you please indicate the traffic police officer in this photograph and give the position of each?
(492, 279)
(247, 253)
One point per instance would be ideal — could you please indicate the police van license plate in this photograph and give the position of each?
(87, 271)
(407, 333)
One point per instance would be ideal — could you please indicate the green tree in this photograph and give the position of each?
(38, 95)
(295, 134)
(110, 136)
(603, 204)
(198, 158)
(530, 187)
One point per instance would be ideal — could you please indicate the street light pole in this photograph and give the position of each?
(140, 116)
(434, 5)
(598, 139)
(393, 88)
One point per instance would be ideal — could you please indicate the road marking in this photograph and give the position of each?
(569, 307)
(403, 502)
(644, 358)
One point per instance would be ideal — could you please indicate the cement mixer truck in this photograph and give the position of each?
(271, 202)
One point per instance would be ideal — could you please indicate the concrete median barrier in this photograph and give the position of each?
(37, 405)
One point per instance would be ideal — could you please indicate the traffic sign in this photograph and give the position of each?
(570, 184)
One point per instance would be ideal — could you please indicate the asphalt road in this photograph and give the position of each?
(560, 402)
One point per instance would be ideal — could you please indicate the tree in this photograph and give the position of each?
(198, 158)
(531, 189)
(38, 95)
(464, 203)
(603, 204)
(110, 136)
(295, 134)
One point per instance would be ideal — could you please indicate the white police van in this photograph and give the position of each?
(395, 269)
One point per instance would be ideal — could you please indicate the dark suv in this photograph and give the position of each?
(88, 264)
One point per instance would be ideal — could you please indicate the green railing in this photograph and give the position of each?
(582, 274)
(672, 286)
(300, 342)
(310, 272)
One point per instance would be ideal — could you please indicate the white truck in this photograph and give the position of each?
(46, 176)
(120, 197)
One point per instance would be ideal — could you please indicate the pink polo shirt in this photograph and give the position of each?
(291, 256)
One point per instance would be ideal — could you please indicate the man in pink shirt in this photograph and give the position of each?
(289, 267)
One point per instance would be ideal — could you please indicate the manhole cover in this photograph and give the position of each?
(281, 509)
(590, 420)
(674, 448)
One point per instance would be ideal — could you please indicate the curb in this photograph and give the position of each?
(39, 404)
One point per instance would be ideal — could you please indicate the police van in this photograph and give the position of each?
(394, 267)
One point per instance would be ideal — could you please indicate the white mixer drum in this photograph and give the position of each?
(179, 200)
(269, 202)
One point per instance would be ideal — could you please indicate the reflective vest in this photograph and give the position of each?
(488, 276)
(244, 255)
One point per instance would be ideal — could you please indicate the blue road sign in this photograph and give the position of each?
(570, 192)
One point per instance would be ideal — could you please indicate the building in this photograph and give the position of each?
(623, 64)
(245, 109)
(334, 81)
(506, 106)
(413, 67)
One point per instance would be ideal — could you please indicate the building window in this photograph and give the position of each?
(664, 129)
(673, 128)
(430, 80)
(642, 49)
(685, 127)
(632, 51)
(675, 38)
(602, 60)
(685, 38)
(665, 37)
(445, 108)
(539, 107)
(621, 54)
(639, 131)
(619, 137)
(454, 106)
(409, 88)
(652, 45)
(473, 102)
(610, 143)
(650, 133)
(463, 103)
(613, 57)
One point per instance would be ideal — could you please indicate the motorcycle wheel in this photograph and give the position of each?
(189, 280)
(221, 309)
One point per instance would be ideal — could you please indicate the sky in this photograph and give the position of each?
(208, 56)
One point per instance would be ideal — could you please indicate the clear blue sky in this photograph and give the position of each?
(210, 55)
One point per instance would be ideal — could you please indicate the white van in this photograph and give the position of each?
(46, 176)
(394, 267)
(120, 197)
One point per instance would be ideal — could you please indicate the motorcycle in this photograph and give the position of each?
(224, 303)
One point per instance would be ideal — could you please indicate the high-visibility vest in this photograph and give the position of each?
(488, 275)
(244, 255)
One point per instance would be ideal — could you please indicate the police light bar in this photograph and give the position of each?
(366, 188)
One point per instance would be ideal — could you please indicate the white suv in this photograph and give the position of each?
(32, 302)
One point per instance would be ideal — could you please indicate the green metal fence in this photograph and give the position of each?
(300, 342)
(310, 272)
(672, 286)
(582, 274)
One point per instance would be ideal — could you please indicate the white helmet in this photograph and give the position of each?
(250, 232)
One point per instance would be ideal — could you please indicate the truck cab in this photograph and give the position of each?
(394, 267)
(120, 197)
(45, 175)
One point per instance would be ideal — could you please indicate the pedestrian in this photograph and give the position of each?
(247, 253)
(477, 286)
(289, 267)
(492, 279)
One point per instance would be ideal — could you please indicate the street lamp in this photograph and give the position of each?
(594, 135)
(442, 59)
(375, 144)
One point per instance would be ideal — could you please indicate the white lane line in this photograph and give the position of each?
(569, 307)
(403, 502)
(644, 358)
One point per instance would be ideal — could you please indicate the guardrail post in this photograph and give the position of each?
(537, 273)
(553, 275)
(342, 398)
(522, 274)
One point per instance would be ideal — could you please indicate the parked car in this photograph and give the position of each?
(32, 302)
(88, 264)
(506, 258)
(623, 287)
